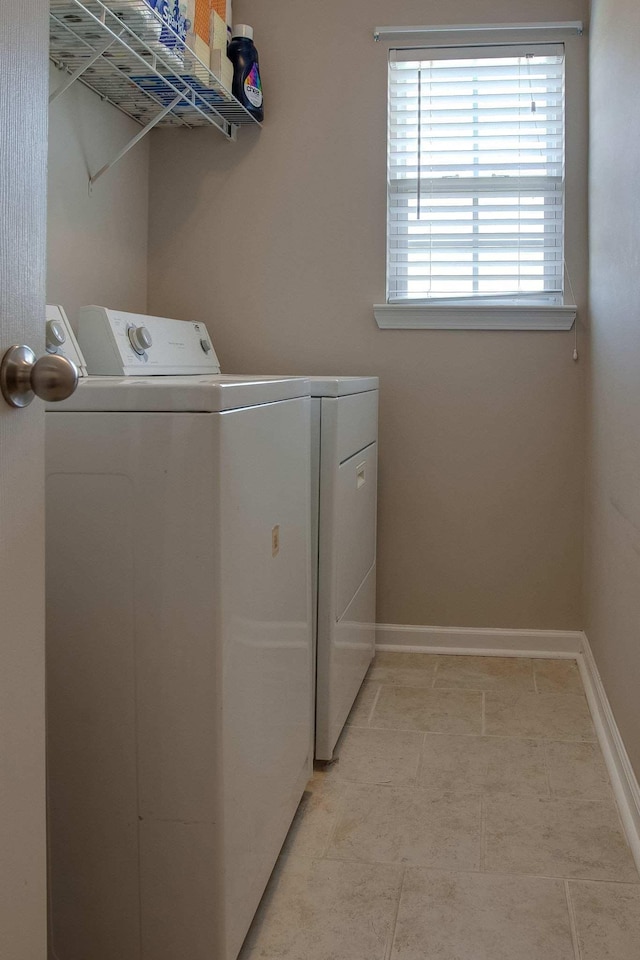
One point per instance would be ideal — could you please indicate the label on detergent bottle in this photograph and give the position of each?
(253, 87)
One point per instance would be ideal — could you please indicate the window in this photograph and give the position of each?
(476, 176)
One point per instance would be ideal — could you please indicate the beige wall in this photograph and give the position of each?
(612, 580)
(97, 245)
(278, 243)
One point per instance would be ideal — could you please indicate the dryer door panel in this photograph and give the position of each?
(357, 423)
(351, 645)
(356, 524)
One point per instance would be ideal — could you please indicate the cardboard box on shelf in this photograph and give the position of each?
(223, 9)
(201, 17)
(217, 32)
(201, 48)
(222, 67)
(198, 36)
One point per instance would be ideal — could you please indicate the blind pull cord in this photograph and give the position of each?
(419, 198)
(576, 355)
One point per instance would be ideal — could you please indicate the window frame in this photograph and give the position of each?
(499, 311)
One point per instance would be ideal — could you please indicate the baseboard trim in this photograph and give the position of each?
(557, 644)
(482, 641)
(623, 779)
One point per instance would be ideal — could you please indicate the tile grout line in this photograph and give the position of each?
(572, 921)
(420, 760)
(334, 826)
(340, 803)
(506, 795)
(547, 770)
(466, 688)
(494, 736)
(435, 673)
(427, 792)
(632, 884)
(374, 705)
(392, 933)
(482, 837)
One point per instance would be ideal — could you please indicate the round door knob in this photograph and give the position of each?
(55, 335)
(22, 377)
(140, 339)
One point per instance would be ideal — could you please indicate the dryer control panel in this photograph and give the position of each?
(116, 343)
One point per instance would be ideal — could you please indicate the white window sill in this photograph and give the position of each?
(400, 316)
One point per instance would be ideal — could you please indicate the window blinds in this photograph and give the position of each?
(476, 174)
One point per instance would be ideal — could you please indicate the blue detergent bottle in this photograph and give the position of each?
(247, 85)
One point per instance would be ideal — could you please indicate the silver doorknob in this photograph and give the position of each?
(22, 377)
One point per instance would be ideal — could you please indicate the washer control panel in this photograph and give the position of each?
(128, 344)
(60, 338)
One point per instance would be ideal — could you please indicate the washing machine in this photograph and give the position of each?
(179, 642)
(60, 338)
(344, 418)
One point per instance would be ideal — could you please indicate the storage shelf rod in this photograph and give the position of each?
(135, 140)
(117, 73)
(83, 68)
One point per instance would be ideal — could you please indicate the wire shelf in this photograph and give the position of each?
(126, 54)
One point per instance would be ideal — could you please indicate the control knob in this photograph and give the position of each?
(55, 336)
(140, 339)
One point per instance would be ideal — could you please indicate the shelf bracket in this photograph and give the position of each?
(83, 67)
(138, 137)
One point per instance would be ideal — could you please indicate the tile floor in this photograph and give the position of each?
(468, 816)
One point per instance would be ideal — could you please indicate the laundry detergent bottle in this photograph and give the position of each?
(247, 86)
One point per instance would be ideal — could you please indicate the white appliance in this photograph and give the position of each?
(179, 643)
(344, 503)
(60, 338)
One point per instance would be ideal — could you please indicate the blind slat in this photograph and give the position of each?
(495, 247)
(509, 280)
(492, 270)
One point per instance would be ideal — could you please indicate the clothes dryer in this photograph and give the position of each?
(345, 458)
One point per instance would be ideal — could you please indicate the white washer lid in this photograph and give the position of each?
(194, 394)
(341, 386)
